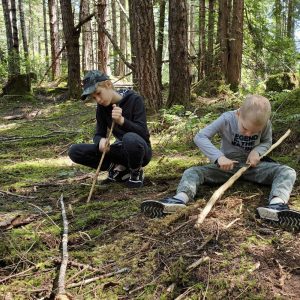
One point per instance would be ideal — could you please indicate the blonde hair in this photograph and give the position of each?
(257, 108)
(105, 82)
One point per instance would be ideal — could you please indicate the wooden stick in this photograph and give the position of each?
(220, 191)
(88, 281)
(65, 256)
(100, 163)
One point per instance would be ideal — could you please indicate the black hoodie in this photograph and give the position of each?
(133, 111)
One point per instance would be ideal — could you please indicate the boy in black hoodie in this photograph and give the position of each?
(132, 149)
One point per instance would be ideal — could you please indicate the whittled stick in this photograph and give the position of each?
(100, 163)
(220, 191)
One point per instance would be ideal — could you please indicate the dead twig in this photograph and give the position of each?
(221, 190)
(16, 195)
(64, 262)
(41, 210)
(207, 285)
(198, 263)
(88, 281)
(100, 163)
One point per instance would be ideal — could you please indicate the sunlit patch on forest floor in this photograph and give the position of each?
(238, 256)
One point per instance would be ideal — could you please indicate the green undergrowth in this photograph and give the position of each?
(110, 233)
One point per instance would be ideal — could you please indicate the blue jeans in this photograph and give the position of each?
(132, 152)
(280, 177)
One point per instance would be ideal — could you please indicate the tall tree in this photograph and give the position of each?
(72, 45)
(9, 11)
(143, 51)
(236, 44)
(45, 32)
(179, 88)
(290, 19)
(160, 39)
(87, 38)
(114, 35)
(123, 36)
(24, 35)
(102, 39)
(210, 36)
(54, 42)
(202, 42)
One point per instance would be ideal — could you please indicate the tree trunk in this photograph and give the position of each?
(236, 45)
(202, 44)
(102, 39)
(9, 37)
(72, 46)
(24, 36)
(191, 30)
(55, 65)
(87, 38)
(45, 32)
(290, 19)
(15, 52)
(210, 37)
(123, 39)
(223, 24)
(115, 36)
(160, 40)
(30, 29)
(39, 38)
(277, 14)
(179, 88)
(143, 51)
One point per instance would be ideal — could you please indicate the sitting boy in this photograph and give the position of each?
(131, 151)
(246, 134)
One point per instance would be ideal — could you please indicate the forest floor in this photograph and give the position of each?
(242, 257)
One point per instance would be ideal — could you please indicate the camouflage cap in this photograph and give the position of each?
(90, 80)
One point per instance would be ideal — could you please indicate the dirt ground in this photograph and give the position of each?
(234, 255)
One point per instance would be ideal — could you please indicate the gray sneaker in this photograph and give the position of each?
(156, 209)
(280, 214)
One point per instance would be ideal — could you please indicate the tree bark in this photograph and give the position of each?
(179, 88)
(236, 45)
(87, 38)
(24, 36)
(102, 40)
(123, 38)
(290, 19)
(210, 36)
(160, 40)
(278, 21)
(55, 63)
(45, 32)
(72, 46)
(15, 50)
(202, 43)
(114, 36)
(223, 24)
(143, 51)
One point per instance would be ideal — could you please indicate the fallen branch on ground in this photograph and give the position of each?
(64, 261)
(16, 195)
(88, 281)
(221, 190)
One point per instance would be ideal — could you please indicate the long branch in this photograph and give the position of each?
(65, 256)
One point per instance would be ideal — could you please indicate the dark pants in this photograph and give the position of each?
(132, 152)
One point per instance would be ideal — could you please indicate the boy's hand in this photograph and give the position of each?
(102, 145)
(117, 115)
(253, 158)
(226, 164)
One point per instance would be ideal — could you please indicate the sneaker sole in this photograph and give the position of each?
(156, 209)
(285, 218)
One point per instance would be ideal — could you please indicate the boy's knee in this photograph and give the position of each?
(73, 152)
(289, 172)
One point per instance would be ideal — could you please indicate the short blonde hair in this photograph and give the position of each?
(105, 82)
(257, 108)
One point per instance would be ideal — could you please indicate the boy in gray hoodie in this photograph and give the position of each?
(246, 134)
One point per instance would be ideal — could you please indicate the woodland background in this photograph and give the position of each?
(191, 60)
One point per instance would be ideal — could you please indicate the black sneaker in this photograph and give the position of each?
(280, 214)
(116, 175)
(136, 178)
(156, 209)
